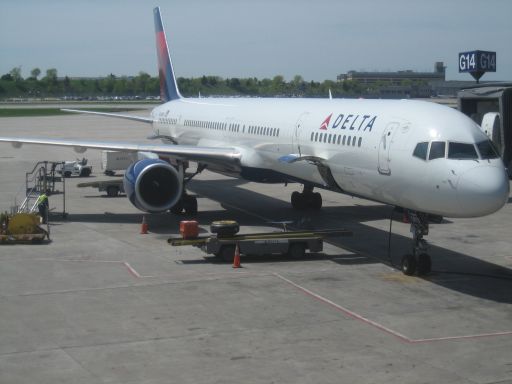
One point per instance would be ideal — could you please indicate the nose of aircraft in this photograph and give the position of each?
(482, 190)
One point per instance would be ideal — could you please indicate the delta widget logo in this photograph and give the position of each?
(326, 122)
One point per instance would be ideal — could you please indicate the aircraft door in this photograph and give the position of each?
(299, 127)
(384, 148)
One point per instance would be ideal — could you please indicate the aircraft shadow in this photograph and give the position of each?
(453, 270)
(275, 258)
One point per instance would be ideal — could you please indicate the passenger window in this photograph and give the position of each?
(421, 150)
(359, 141)
(316, 136)
(461, 151)
(354, 141)
(437, 150)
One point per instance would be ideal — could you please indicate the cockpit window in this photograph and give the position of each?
(461, 151)
(437, 149)
(487, 150)
(421, 150)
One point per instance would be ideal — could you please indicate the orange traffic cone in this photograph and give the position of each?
(236, 258)
(144, 226)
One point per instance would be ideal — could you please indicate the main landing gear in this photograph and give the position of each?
(307, 199)
(419, 261)
(187, 203)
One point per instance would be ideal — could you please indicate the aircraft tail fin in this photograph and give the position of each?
(168, 85)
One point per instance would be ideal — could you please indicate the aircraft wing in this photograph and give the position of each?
(118, 115)
(229, 157)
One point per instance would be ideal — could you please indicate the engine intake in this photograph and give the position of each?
(152, 185)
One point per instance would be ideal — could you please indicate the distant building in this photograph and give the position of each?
(407, 84)
(395, 78)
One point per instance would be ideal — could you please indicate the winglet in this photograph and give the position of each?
(168, 86)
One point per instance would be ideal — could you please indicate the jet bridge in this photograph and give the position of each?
(490, 106)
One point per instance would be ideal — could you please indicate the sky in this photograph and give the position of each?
(259, 38)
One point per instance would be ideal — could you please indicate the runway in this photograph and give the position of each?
(103, 303)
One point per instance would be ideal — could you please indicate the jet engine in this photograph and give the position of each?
(153, 185)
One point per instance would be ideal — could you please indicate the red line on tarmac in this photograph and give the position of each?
(132, 271)
(381, 327)
(344, 310)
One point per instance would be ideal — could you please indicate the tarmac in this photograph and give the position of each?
(102, 303)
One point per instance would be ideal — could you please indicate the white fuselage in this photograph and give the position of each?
(368, 146)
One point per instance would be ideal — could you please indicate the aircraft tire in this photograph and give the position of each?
(316, 201)
(408, 265)
(424, 264)
(190, 205)
(298, 201)
(177, 208)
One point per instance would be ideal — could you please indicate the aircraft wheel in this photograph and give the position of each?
(190, 205)
(424, 264)
(177, 209)
(408, 265)
(316, 201)
(298, 201)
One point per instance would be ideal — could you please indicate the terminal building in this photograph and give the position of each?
(395, 78)
(407, 83)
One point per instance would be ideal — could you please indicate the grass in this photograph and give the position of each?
(29, 112)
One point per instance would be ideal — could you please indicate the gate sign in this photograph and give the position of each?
(477, 62)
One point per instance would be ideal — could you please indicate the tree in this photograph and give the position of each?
(51, 75)
(35, 73)
(6, 77)
(16, 74)
(277, 85)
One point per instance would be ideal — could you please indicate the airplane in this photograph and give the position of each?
(420, 156)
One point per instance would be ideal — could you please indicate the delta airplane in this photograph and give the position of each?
(426, 158)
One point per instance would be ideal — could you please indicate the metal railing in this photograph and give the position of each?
(41, 179)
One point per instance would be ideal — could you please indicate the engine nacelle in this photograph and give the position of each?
(152, 185)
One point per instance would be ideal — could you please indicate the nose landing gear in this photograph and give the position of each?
(419, 261)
